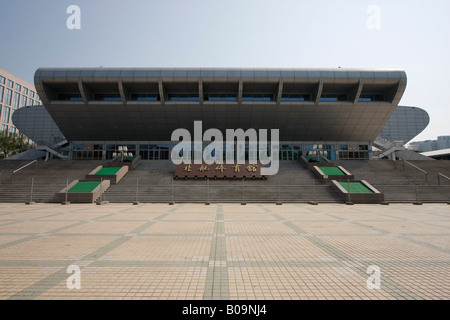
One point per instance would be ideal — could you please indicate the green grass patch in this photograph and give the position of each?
(355, 187)
(84, 186)
(332, 171)
(108, 170)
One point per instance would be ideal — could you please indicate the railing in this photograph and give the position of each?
(40, 189)
(402, 193)
(17, 170)
(55, 147)
(206, 192)
(416, 167)
(439, 175)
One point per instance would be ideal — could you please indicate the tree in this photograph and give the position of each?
(11, 144)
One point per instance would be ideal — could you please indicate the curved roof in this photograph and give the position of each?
(37, 124)
(405, 124)
(305, 104)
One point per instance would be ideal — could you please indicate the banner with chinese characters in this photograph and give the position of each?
(219, 171)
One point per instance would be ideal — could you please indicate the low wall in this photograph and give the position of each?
(309, 165)
(117, 163)
(81, 197)
(375, 197)
(113, 178)
(322, 176)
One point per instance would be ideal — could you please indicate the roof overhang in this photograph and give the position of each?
(120, 116)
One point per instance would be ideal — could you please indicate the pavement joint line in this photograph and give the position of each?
(107, 248)
(18, 241)
(35, 263)
(407, 238)
(229, 263)
(7, 223)
(75, 224)
(334, 252)
(41, 286)
(216, 286)
(431, 213)
(424, 244)
(415, 221)
(144, 226)
(404, 237)
(220, 267)
(103, 216)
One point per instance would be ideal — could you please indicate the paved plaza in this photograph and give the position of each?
(224, 251)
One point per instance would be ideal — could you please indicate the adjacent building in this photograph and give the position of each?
(442, 142)
(15, 93)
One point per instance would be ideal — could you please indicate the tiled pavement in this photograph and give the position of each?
(224, 251)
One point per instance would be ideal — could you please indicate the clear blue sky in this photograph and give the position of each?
(413, 36)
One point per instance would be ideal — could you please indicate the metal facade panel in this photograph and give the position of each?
(129, 120)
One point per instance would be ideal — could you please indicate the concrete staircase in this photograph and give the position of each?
(48, 177)
(152, 181)
(401, 182)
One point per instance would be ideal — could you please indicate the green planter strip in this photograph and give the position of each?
(355, 187)
(84, 186)
(332, 171)
(108, 171)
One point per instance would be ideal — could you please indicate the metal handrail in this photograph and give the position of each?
(441, 175)
(17, 170)
(414, 166)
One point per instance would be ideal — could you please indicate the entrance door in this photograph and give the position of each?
(286, 155)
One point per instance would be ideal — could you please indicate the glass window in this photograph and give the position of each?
(333, 97)
(1, 93)
(107, 97)
(24, 90)
(8, 96)
(69, 97)
(31, 93)
(371, 97)
(31, 102)
(221, 97)
(17, 87)
(2, 80)
(4, 127)
(183, 97)
(23, 102)
(37, 97)
(16, 99)
(257, 97)
(12, 130)
(10, 83)
(5, 114)
(144, 97)
(296, 97)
